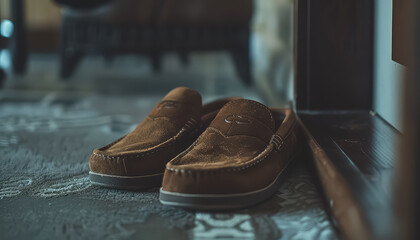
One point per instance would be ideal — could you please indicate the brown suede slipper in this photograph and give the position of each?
(137, 160)
(237, 162)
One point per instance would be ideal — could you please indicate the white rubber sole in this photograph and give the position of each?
(126, 182)
(221, 201)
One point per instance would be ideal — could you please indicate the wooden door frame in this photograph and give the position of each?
(333, 54)
(321, 64)
(408, 167)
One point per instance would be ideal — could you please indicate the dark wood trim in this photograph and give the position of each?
(343, 206)
(355, 154)
(408, 167)
(400, 29)
(301, 41)
(334, 54)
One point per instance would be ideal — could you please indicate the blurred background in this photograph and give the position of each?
(78, 74)
(133, 48)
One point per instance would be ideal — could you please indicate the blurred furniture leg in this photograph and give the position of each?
(3, 45)
(69, 57)
(18, 47)
(68, 62)
(241, 58)
(156, 61)
(2, 77)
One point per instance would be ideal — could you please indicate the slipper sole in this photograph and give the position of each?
(126, 182)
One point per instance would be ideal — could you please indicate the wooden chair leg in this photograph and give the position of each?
(2, 78)
(18, 47)
(156, 61)
(184, 57)
(241, 55)
(69, 56)
(69, 61)
(242, 64)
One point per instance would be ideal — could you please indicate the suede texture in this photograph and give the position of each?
(173, 125)
(244, 149)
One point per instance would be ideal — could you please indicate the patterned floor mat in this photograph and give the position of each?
(45, 192)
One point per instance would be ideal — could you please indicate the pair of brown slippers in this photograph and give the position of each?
(230, 153)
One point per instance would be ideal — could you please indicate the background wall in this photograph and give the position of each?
(40, 14)
(387, 73)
